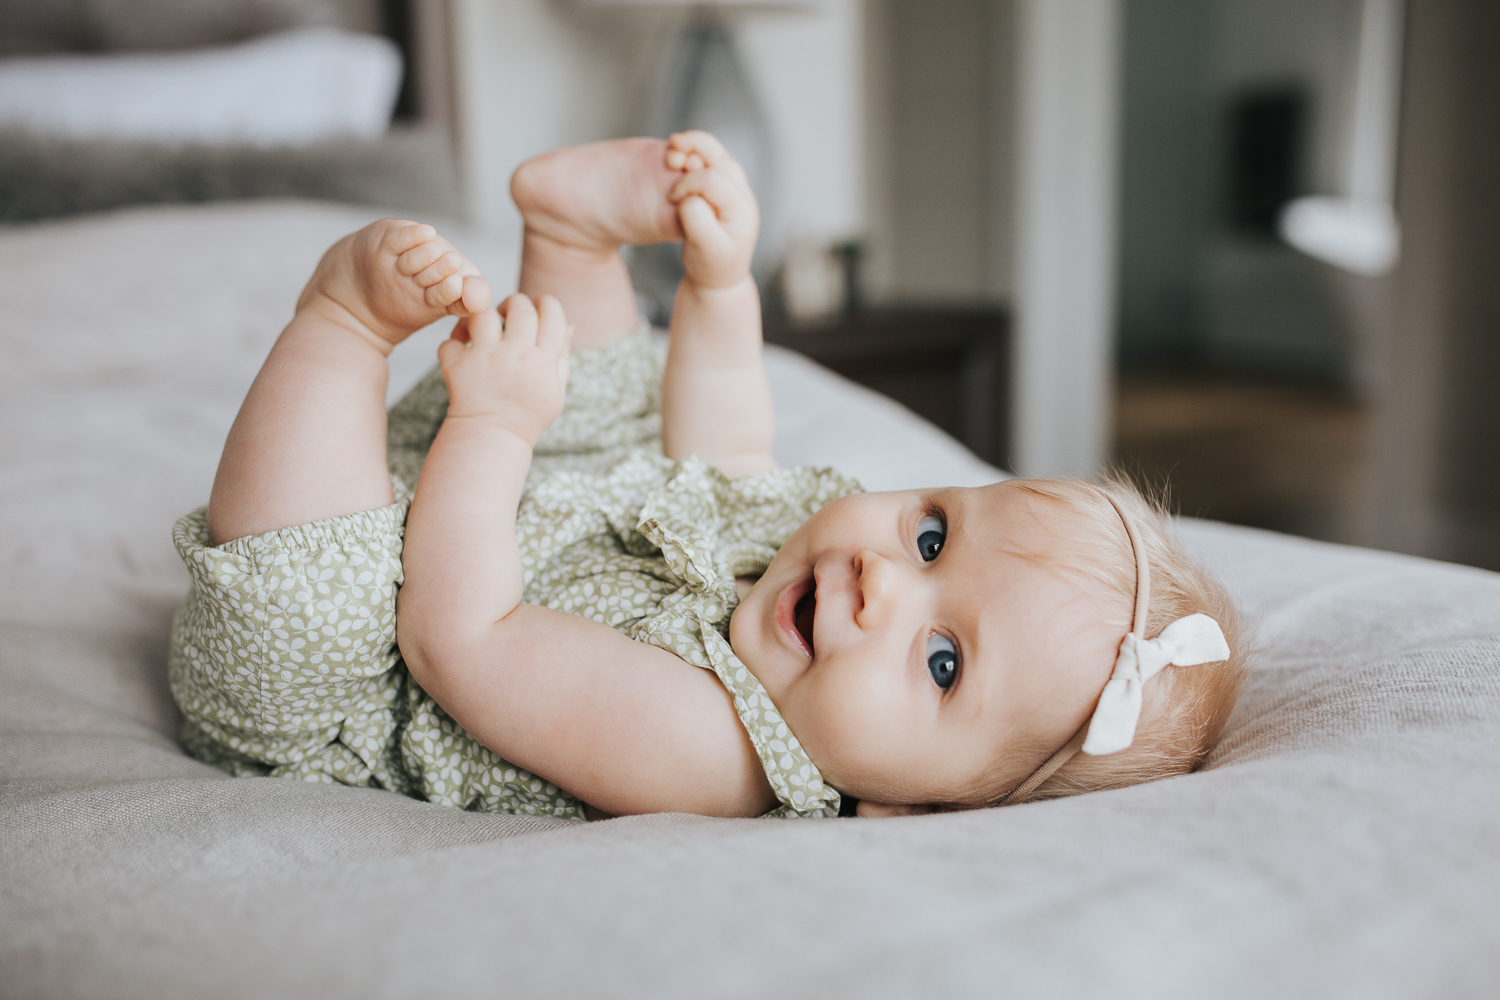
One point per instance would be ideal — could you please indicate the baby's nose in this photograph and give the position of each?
(877, 587)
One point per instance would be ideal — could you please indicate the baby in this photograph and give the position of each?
(611, 599)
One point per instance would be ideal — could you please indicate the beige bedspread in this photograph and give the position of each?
(1344, 842)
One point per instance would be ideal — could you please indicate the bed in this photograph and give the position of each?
(1344, 839)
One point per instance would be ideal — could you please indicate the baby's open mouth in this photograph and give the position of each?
(802, 615)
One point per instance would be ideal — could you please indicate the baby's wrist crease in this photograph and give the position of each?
(496, 422)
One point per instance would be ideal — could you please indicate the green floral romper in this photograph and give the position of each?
(284, 659)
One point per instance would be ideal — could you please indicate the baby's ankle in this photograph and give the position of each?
(325, 314)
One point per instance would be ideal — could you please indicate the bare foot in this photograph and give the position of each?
(392, 278)
(599, 197)
(581, 204)
(716, 210)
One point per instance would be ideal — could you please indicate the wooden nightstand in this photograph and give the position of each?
(1278, 455)
(949, 365)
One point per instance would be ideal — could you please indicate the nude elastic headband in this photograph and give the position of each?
(1186, 642)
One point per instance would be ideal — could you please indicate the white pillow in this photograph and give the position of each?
(291, 88)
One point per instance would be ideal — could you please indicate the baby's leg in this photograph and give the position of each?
(580, 205)
(309, 441)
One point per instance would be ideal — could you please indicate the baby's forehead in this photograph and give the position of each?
(1009, 516)
(1010, 539)
(1035, 577)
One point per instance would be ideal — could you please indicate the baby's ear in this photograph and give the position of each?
(872, 810)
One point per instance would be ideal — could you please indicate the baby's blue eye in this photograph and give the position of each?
(942, 660)
(930, 535)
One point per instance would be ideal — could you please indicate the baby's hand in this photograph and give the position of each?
(717, 209)
(515, 379)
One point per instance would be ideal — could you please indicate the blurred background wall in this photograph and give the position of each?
(1431, 328)
(537, 74)
(1276, 389)
(940, 93)
(1205, 280)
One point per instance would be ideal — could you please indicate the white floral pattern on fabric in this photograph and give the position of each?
(284, 659)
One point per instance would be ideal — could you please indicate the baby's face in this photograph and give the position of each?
(911, 640)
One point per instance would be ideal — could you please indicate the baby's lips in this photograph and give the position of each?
(804, 617)
(786, 610)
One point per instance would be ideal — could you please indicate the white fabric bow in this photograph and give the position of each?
(1186, 642)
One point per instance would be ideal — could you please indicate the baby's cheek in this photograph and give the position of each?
(795, 547)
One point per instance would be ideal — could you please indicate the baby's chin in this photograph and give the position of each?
(863, 789)
(880, 778)
(746, 633)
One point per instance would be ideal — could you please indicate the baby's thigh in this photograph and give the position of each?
(285, 645)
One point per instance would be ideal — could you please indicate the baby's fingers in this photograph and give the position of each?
(459, 333)
(553, 329)
(701, 223)
(520, 320)
(730, 200)
(483, 328)
(449, 351)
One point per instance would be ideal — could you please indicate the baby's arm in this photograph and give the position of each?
(716, 402)
(625, 726)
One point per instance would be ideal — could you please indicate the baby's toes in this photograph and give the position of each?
(445, 292)
(447, 264)
(474, 299)
(704, 146)
(402, 236)
(462, 293)
(422, 256)
(679, 160)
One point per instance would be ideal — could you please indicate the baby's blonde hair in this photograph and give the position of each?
(1184, 708)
